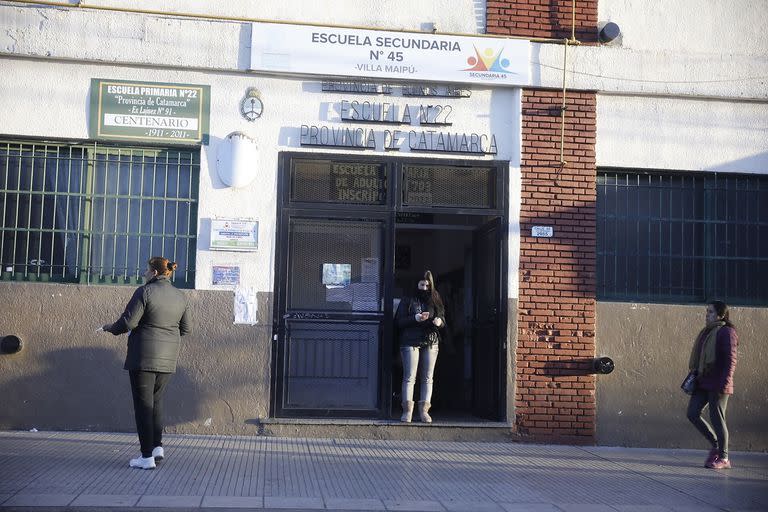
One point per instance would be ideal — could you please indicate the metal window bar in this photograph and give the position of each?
(50, 192)
(128, 218)
(190, 242)
(166, 164)
(707, 237)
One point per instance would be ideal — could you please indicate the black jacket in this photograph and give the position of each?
(157, 315)
(413, 333)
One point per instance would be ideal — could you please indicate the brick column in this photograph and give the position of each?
(555, 395)
(542, 18)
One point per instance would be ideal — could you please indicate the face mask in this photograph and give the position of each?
(424, 294)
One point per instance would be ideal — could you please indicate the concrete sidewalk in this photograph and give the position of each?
(90, 470)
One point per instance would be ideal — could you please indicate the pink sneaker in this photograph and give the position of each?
(720, 464)
(712, 457)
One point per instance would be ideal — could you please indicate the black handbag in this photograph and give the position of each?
(689, 383)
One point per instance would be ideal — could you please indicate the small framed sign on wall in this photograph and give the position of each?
(234, 235)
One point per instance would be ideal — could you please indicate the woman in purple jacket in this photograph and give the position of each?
(713, 358)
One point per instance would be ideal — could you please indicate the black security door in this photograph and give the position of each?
(332, 321)
(329, 310)
(487, 354)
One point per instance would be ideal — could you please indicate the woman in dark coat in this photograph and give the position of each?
(155, 318)
(713, 358)
(419, 320)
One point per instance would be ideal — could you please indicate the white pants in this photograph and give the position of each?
(423, 358)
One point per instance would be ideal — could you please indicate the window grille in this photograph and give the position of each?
(433, 185)
(95, 214)
(338, 182)
(673, 237)
(315, 243)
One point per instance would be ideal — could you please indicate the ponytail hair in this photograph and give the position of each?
(163, 266)
(721, 309)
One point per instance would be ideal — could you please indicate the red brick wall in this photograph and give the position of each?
(542, 18)
(555, 395)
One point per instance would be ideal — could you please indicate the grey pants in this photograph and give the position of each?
(717, 434)
(424, 359)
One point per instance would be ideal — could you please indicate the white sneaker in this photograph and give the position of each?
(158, 453)
(143, 463)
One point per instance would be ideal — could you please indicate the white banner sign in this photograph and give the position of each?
(407, 56)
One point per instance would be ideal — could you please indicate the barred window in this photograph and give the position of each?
(95, 214)
(682, 237)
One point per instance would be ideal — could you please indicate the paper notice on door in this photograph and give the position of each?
(369, 270)
(365, 296)
(338, 294)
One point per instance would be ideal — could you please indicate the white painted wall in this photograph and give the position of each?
(682, 134)
(711, 48)
(51, 100)
(464, 16)
(685, 87)
(690, 27)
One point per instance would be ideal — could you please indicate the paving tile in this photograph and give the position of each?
(414, 505)
(105, 500)
(39, 500)
(471, 506)
(529, 507)
(642, 508)
(280, 502)
(354, 504)
(701, 507)
(233, 502)
(170, 501)
(584, 507)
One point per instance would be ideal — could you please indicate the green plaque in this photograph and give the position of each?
(149, 111)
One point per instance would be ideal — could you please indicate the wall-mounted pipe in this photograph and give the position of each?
(603, 365)
(10, 344)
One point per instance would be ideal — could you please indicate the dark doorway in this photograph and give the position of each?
(463, 258)
(354, 234)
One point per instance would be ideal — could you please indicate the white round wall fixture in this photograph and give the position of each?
(236, 160)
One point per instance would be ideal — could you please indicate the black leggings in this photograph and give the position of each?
(147, 389)
(717, 403)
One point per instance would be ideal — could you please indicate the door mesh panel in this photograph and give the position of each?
(332, 365)
(352, 246)
(348, 183)
(448, 186)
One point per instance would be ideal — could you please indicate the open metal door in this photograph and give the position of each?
(330, 321)
(487, 353)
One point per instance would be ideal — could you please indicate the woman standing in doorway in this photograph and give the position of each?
(156, 317)
(713, 358)
(419, 320)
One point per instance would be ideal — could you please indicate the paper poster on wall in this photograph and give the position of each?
(337, 274)
(246, 306)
